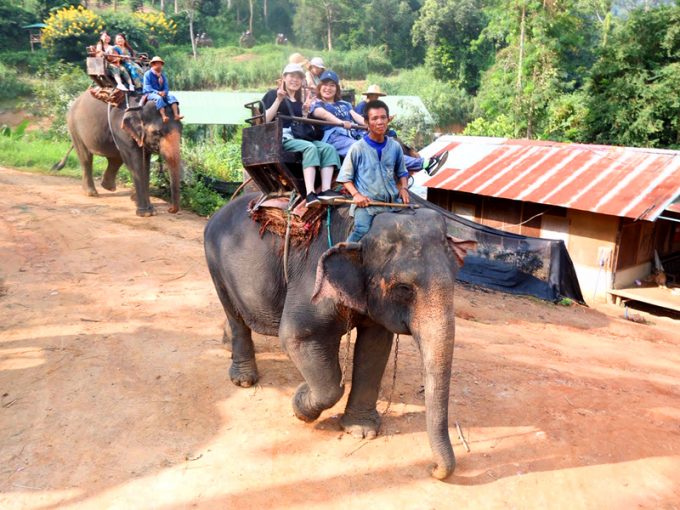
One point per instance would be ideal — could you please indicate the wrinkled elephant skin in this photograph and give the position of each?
(125, 137)
(398, 279)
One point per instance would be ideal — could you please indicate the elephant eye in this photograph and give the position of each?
(403, 292)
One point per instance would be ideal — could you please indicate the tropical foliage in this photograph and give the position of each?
(70, 30)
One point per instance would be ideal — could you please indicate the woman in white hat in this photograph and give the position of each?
(287, 100)
(314, 70)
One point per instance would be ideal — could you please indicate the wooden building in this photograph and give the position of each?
(612, 206)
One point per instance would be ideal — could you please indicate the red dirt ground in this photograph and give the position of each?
(114, 388)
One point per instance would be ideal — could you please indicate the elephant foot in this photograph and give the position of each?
(108, 185)
(361, 426)
(173, 209)
(145, 213)
(301, 406)
(307, 406)
(90, 192)
(243, 373)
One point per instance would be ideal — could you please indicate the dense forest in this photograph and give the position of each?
(574, 70)
(593, 71)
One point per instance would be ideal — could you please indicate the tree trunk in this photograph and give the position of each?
(250, 20)
(266, 13)
(520, 58)
(162, 6)
(191, 32)
(329, 26)
(176, 6)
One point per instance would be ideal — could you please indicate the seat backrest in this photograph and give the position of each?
(262, 144)
(271, 167)
(96, 66)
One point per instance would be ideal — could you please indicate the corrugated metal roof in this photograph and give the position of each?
(215, 107)
(621, 181)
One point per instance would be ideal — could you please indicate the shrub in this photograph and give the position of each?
(69, 31)
(156, 25)
(130, 25)
(11, 85)
(25, 61)
(501, 126)
(448, 105)
(54, 91)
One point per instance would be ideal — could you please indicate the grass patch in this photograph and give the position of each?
(258, 68)
(36, 154)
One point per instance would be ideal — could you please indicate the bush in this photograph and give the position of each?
(448, 105)
(156, 25)
(54, 91)
(69, 31)
(12, 18)
(201, 199)
(25, 61)
(215, 158)
(501, 126)
(11, 85)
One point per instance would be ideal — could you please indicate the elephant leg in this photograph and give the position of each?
(139, 168)
(243, 370)
(371, 352)
(85, 158)
(109, 178)
(316, 357)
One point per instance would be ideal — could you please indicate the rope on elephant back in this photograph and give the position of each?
(394, 376)
(348, 339)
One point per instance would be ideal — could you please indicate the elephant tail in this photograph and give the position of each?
(58, 166)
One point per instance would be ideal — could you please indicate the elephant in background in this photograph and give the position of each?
(398, 280)
(125, 137)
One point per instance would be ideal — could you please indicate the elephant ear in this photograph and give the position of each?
(460, 248)
(133, 125)
(340, 276)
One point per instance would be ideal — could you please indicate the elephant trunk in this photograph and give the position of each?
(169, 149)
(435, 336)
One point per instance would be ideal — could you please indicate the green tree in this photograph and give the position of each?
(634, 92)
(450, 29)
(546, 49)
(12, 18)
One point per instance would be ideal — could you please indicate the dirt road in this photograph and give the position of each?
(115, 391)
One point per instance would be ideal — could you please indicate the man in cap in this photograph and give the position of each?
(157, 89)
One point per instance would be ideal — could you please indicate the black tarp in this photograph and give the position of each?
(513, 263)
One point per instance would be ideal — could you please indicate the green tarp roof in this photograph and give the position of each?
(227, 107)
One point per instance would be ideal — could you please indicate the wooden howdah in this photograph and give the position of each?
(273, 169)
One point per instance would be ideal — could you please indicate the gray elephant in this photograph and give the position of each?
(398, 279)
(125, 137)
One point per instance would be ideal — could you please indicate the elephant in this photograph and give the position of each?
(399, 279)
(128, 137)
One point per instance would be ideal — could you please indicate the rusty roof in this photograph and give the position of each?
(620, 181)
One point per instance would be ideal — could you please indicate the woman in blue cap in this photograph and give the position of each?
(287, 100)
(331, 108)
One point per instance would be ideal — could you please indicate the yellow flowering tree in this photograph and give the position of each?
(69, 31)
(156, 25)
